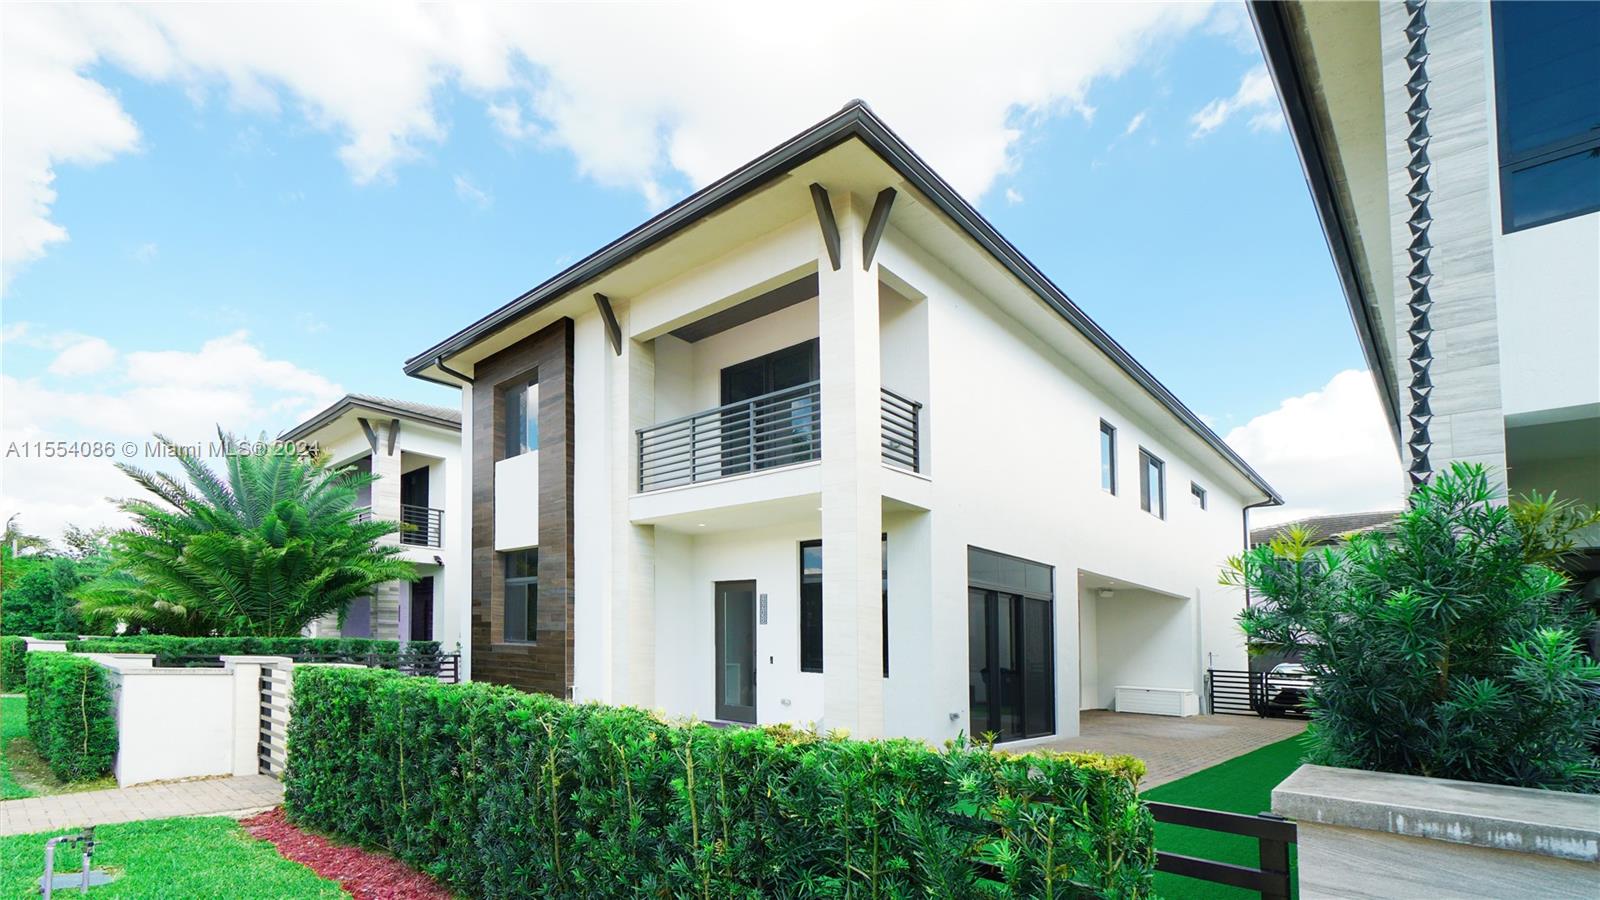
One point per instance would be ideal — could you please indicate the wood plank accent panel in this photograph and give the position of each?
(546, 664)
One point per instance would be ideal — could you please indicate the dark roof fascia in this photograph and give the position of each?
(347, 403)
(854, 121)
(1277, 45)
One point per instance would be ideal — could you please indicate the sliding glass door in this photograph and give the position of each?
(1010, 646)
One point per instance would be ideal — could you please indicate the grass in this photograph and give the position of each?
(1244, 785)
(23, 773)
(191, 858)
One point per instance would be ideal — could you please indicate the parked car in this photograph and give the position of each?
(1286, 687)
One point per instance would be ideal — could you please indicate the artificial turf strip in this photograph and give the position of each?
(166, 858)
(1244, 785)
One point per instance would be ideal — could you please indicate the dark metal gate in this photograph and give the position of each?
(1271, 879)
(273, 747)
(1231, 692)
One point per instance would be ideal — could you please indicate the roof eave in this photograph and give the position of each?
(1282, 56)
(854, 121)
(347, 404)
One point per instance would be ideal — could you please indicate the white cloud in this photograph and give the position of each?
(469, 193)
(84, 357)
(146, 252)
(184, 394)
(1329, 451)
(1134, 124)
(566, 76)
(1013, 196)
(1256, 96)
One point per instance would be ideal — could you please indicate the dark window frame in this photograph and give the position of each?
(1147, 497)
(517, 439)
(1108, 457)
(800, 609)
(1198, 493)
(996, 592)
(531, 626)
(1512, 163)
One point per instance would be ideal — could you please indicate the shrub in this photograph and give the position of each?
(56, 636)
(38, 597)
(169, 648)
(502, 793)
(1436, 649)
(70, 715)
(13, 664)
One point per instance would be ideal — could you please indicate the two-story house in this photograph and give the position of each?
(818, 445)
(414, 449)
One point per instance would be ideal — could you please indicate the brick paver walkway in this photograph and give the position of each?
(215, 796)
(1174, 747)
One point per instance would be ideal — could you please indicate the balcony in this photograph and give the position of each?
(771, 431)
(777, 429)
(421, 526)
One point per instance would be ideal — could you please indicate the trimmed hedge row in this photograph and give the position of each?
(71, 718)
(168, 648)
(13, 664)
(501, 793)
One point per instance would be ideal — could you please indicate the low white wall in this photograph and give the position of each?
(1375, 834)
(175, 723)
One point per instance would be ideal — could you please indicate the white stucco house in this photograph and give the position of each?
(415, 450)
(818, 445)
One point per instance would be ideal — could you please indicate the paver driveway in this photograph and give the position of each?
(1173, 747)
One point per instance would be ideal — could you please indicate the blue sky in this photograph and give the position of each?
(1158, 188)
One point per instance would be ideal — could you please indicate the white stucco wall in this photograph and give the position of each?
(1014, 429)
(183, 723)
(1548, 283)
(516, 502)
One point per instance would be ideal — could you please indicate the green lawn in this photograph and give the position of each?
(22, 772)
(1243, 784)
(191, 858)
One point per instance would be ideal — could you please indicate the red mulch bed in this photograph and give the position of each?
(367, 875)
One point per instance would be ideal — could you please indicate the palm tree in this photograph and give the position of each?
(261, 548)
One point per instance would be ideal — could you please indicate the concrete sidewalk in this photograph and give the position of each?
(211, 797)
(1174, 747)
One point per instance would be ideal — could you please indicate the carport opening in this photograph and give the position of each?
(1130, 636)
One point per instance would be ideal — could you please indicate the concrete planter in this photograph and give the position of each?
(1374, 834)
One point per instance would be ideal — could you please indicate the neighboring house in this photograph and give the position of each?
(1327, 529)
(817, 445)
(1453, 153)
(414, 449)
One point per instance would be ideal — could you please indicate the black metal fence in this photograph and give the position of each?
(1232, 692)
(443, 666)
(272, 748)
(902, 433)
(422, 526)
(1272, 878)
(777, 429)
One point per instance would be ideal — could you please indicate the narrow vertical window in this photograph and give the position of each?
(522, 418)
(1152, 484)
(522, 596)
(886, 606)
(1108, 457)
(811, 606)
(1198, 493)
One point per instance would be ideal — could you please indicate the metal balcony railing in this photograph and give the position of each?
(363, 514)
(777, 429)
(421, 526)
(902, 431)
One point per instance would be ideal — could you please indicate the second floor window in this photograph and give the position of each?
(1152, 484)
(1198, 493)
(522, 418)
(1547, 100)
(522, 596)
(1108, 457)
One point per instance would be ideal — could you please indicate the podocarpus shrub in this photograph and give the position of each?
(172, 650)
(13, 664)
(56, 636)
(1437, 649)
(502, 793)
(71, 718)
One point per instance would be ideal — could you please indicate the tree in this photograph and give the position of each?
(1437, 649)
(262, 548)
(39, 600)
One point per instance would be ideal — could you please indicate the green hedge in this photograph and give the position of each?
(168, 647)
(501, 793)
(70, 715)
(13, 664)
